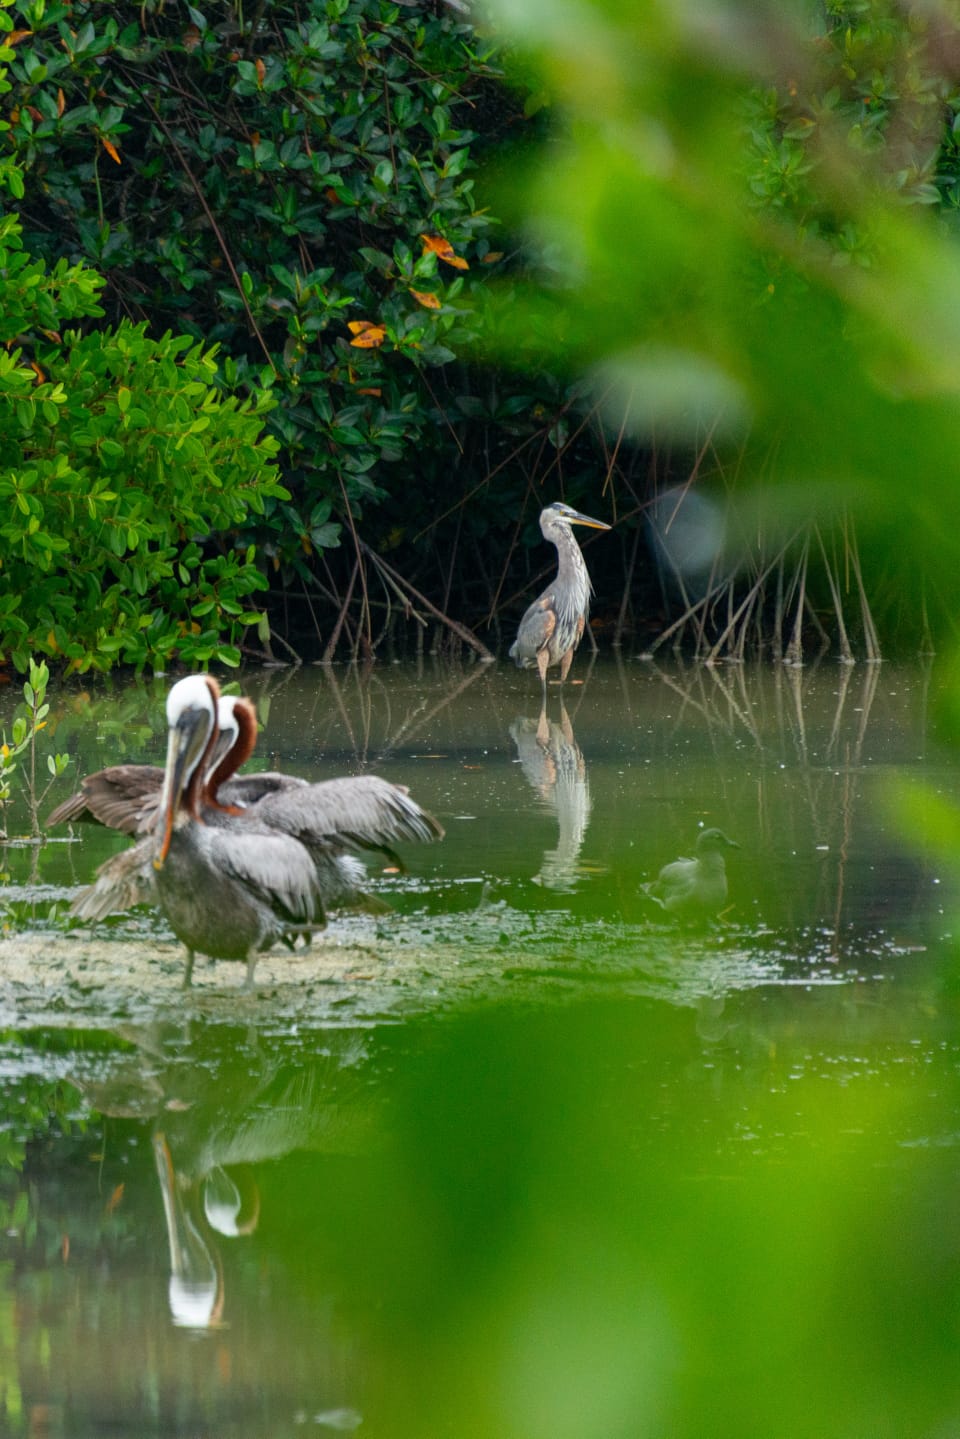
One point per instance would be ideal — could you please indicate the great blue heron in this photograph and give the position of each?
(553, 626)
(698, 886)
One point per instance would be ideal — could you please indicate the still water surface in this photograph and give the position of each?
(524, 1156)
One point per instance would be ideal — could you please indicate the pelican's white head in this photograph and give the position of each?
(192, 722)
(227, 719)
(194, 692)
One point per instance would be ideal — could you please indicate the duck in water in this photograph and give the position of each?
(694, 888)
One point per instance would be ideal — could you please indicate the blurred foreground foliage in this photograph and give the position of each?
(755, 210)
(727, 272)
(599, 1219)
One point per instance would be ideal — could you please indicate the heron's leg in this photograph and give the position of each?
(188, 970)
(543, 728)
(543, 664)
(252, 958)
(565, 663)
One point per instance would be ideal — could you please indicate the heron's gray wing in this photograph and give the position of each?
(534, 630)
(122, 796)
(274, 867)
(364, 812)
(126, 879)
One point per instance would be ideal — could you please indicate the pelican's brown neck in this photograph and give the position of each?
(245, 716)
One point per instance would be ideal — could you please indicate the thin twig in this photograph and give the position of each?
(458, 629)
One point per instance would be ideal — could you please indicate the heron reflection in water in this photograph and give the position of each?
(553, 765)
(694, 888)
(553, 625)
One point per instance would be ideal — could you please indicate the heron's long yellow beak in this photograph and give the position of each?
(578, 519)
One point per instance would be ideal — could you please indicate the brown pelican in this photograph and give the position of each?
(214, 844)
(691, 887)
(125, 796)
(227, 892)
(553, 626)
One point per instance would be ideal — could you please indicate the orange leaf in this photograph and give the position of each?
(443, 250)
(331, 195)
(114, 1201)
(492, 257)
(255, 139)
(110, 148)
(65, 1247)
(61, 103)
(15, 37)
(424, 298)
(370, 391)
(261, 70)
(367, 335)
(37, 114)
(41, 377)
(191, 38)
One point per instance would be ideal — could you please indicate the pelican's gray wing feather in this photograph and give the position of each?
(274, 867)
(364, 812)
(128, 878)
(123, 797)
(249, 789)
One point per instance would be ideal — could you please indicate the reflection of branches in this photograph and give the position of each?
(408, 729)
(736, 701)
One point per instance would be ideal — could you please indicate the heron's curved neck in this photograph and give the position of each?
(571, 566)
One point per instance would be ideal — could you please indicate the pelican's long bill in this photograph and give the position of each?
(187, 741)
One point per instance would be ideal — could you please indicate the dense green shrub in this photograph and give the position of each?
(265, 180)
(118, 458)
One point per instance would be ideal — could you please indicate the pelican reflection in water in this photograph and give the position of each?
(694, 888)
(232, 879)
(553, 625)
(554, 766)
